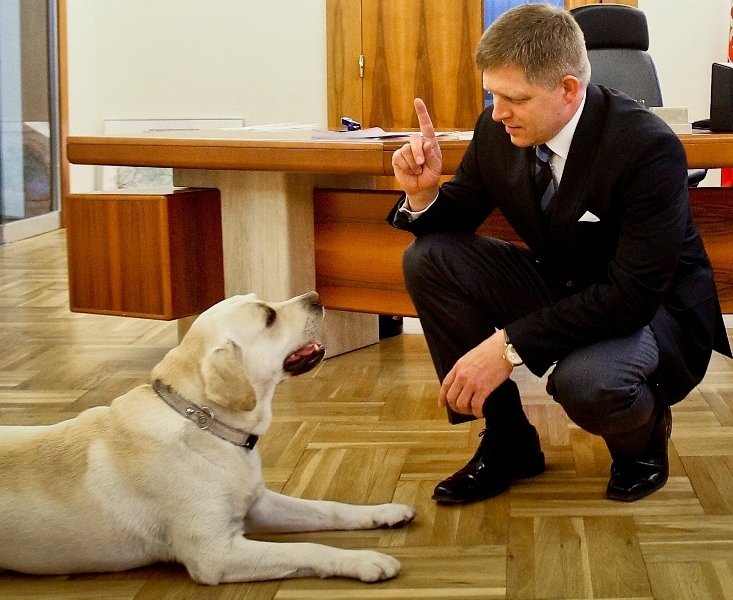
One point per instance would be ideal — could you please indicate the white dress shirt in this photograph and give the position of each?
(560, 145)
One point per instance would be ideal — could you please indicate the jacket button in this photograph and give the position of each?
(570, 284)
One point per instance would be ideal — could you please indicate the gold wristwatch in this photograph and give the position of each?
(510, 354)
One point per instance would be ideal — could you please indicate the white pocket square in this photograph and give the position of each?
(588, 217)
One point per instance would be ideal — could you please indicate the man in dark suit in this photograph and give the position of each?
(614, 288)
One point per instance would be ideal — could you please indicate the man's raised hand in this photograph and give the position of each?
(418, 164)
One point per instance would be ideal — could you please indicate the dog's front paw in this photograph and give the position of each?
(370, 566)
(394, 515)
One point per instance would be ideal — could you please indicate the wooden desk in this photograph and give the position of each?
(267, 185)
(266, 188)
(240, 151)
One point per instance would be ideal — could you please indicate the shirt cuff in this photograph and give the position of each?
(414, 214)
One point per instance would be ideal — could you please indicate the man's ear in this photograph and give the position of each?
(225, 380)
(571, 87)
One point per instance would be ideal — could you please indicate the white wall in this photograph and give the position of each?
(685, 38)
(265, 60)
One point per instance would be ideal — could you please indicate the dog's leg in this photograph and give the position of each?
(275, 512)
(250, 560)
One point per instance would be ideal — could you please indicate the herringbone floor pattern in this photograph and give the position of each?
(364, 427)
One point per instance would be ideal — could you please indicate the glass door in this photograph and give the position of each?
(28, 115)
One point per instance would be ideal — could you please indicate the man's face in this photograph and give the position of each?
(531, 113)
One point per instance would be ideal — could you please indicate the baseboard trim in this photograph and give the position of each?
(30, 227)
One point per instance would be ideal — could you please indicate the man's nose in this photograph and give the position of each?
(499, 111)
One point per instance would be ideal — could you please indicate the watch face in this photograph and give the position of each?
(512, 356)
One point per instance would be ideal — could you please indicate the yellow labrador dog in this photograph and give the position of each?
(169, 471)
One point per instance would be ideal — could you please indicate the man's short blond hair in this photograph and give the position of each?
(544, 41)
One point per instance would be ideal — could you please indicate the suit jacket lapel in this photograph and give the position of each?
(567, 206)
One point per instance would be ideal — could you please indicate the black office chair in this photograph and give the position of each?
(617, 39)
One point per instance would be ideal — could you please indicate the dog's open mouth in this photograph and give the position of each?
(304, 359)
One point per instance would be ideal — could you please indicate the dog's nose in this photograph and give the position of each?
(312, 299)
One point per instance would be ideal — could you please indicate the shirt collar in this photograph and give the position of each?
(560, 144)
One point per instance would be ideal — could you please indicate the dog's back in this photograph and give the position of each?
(52, 477)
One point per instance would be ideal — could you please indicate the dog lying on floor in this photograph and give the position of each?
(169, 471)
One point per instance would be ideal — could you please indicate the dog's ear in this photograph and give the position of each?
(225, 380)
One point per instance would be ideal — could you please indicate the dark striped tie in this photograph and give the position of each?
(543, 180)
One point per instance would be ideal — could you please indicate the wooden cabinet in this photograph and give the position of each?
(358, 257)
(153, 253)
(384, 53)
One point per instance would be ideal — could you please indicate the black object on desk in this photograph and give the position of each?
(721, 97)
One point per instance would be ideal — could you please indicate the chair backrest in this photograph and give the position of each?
(617, 39)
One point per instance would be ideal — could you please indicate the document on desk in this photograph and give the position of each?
(371, 133)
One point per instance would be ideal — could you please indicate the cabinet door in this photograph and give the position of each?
(343, 31)
(410, 48)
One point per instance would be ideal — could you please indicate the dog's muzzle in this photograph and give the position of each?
(304, 359)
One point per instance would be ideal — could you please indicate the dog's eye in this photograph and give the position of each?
(270, 316)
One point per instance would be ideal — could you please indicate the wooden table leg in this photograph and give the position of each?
(267, 235)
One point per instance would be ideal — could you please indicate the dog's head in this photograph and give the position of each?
(237, 351)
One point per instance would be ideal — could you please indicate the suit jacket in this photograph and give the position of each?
(636, 259)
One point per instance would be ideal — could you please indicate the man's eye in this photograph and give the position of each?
(270, 317)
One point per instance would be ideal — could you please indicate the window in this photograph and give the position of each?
(28, 111)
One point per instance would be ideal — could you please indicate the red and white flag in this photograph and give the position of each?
(730, 34)
(726, 175)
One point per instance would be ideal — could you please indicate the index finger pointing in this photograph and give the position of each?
(423, 118)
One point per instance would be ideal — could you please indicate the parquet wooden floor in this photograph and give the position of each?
(364, 427)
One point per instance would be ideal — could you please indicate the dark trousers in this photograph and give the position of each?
(465, 287)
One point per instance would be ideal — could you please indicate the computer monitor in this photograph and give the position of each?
(721, 97)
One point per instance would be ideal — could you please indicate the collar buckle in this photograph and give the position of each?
(204, 417)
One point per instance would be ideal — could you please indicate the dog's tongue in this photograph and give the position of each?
(303, 352)
(304, 359)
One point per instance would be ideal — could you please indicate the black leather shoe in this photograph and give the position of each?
(635, 478)
(492, 469)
